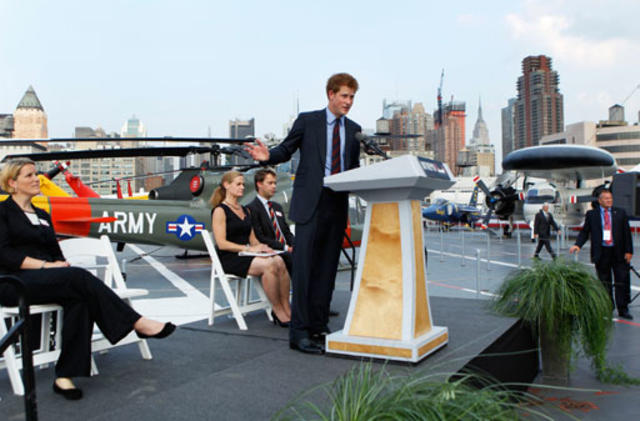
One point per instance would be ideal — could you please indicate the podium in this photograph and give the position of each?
(389, 314)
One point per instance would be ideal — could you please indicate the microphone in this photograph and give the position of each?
(370, 147)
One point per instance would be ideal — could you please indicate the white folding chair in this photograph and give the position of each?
(86, 253)
(240, 302)
(48, 352)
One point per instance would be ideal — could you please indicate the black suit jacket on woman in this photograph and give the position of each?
(593, 227)
(263, 228)
(19, 238)
(309, 134)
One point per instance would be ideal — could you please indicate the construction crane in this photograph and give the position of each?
(439, 119)
(630, 95)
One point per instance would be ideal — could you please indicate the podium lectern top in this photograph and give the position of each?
(405, 177)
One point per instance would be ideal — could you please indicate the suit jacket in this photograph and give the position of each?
(309, 135)
(542, 226)
(593, 227)
(19, 238)
(263, 228)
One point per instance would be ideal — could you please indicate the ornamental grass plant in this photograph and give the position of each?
(566, 305)
(364, 394)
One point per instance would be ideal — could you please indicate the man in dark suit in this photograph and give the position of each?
(327, 144)
(542, 230)
(267, 216)
(611, 248)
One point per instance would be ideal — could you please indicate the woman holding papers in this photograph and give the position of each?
(241, 253)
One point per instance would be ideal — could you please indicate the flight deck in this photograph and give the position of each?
(218, 372)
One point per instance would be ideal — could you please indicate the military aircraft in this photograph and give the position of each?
(564, 168)
(175, 214)
(450, 213)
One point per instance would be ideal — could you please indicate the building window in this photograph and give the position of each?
(618, 136)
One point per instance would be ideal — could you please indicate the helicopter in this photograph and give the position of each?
(175, 214)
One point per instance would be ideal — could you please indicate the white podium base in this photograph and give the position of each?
(413, 350)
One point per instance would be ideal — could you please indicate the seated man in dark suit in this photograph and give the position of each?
(267, 217)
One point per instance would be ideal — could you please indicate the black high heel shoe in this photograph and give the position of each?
(277, 321)
(70, 394)
(167, 330)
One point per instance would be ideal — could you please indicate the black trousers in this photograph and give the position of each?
(620, 268)
(547, 244)
(315, 263)
(85, 299)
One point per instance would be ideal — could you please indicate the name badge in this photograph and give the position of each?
(279, 213)
(606, 235)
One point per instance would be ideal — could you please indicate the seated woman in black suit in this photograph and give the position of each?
(29, 250)
(233, 233)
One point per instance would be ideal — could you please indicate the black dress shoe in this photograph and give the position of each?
(70, 394)
(333, 313)
(307, 346)
(277, 321)
(167, 330)
(319, 338)
(624, 314)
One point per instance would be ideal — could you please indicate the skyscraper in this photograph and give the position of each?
(410, 121)
(242, 128)
(480, 130)
(539, 107)
(239, 129)
(29, 119)
(448, 139)
(508, 127)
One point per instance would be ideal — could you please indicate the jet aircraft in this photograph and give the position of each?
(450, 213)
(565, 169)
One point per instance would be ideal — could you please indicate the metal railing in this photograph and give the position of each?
(21, 330)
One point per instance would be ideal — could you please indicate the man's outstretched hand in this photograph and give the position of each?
(258, 150)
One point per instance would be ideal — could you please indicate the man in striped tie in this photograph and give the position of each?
(326, 140)
(267, 216)
(611, 248)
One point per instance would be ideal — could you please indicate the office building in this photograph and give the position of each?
(615, 136)
(539, 105)
(240, 129)
(389, 108)
(479, 155)
(508, 116)
(413, 121)
(448, 139)
(6, 126)
(100, 173)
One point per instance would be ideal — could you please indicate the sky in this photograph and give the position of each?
(184, 67)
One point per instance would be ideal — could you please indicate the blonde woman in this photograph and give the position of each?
(29, 250)
(233, 233)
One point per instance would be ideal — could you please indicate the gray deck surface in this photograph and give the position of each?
(220, 373)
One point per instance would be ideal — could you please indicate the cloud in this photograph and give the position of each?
(557, 36)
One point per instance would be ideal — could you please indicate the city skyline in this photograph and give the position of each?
(183, 69)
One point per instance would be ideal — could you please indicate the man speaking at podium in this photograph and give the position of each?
(327, 144)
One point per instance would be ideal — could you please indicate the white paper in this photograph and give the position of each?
(260, 254)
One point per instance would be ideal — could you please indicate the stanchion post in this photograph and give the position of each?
(462, 263)
(488, 251)
(477, 273)
(441, 244)
(519, 249)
